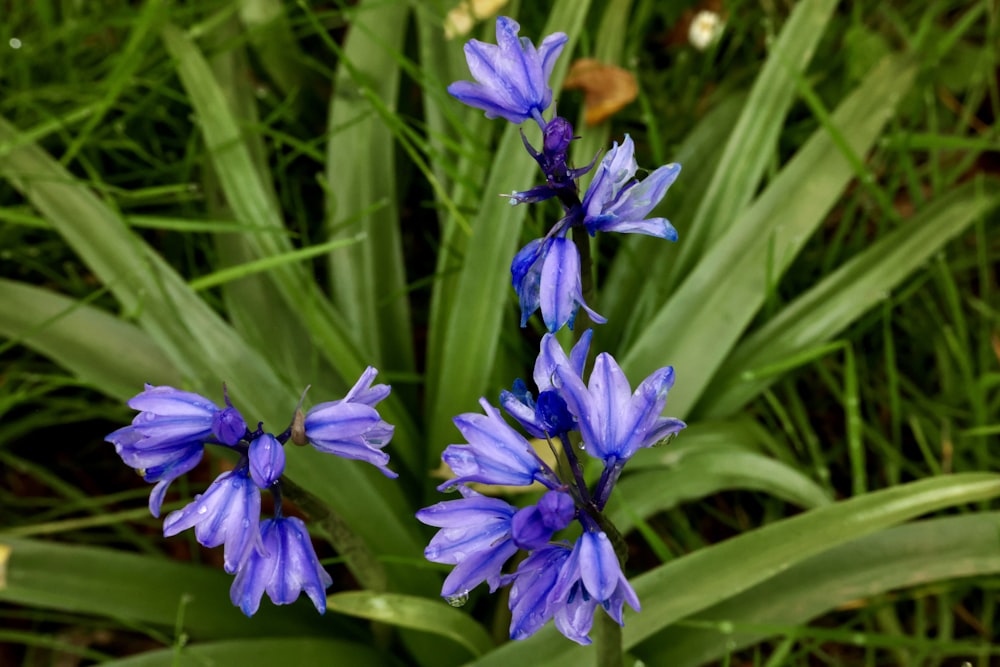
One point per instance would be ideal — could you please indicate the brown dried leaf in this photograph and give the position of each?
(606, 88)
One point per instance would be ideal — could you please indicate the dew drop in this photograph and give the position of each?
(202, 509)
(457, 600)
(556, 380)
(15, 43)
(726, 627)
(246, 523)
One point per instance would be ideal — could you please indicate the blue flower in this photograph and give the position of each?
(479, 535)
(496, 453)
(228, 513)
(351, 427)
(614, 422)
(475, 537)
(546, 274)
(512, 76)
(616, 202)
(286, 566)
(267, 460)
(546, 417)
(166, 439)
(530, 592)
(532, 527)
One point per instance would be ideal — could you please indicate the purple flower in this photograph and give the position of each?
(591, 576)
(351, 427)
(496, 453)
(285, 567)
(532, 527)
(166, 439)
(512, 77)
(479, 534)
(475, 536)
(545, 418)
(546, 274)
(614, 422)
(530, 592)
(616, 202)
(227, 513)
(267, 460)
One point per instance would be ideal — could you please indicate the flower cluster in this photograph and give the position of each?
(168, 438)
(512, 83)
(558, 580)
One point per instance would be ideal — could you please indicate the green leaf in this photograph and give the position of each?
(843, 296)
(204, 349)
(698, 475)
(247, 194)
(368, 281)
(687, 585)
(407, 611)
(720, 297)
(752, 141)
(259, 653)
(141, 589)
(899, 557)
(110, 355)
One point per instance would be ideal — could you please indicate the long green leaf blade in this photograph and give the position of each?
(687, 585)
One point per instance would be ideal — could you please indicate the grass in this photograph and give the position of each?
(308, 192)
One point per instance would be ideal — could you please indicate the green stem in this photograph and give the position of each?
(608, 641)
(582, 240)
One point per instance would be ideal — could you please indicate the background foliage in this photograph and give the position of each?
(275, 194)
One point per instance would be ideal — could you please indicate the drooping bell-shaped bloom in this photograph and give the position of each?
(530, 592)
(228, 513)
(591, 576)
(351, 427)
(546, 274)
(614, 421)
(617, 202)
(267, 460)
(157, 464)
(166, 439)
(495, 453)
(545, 417)
(512, 76)
(532, 527)
(475, 537)
(286, 567)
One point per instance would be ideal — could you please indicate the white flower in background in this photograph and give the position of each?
(705, 30)
(462, 18)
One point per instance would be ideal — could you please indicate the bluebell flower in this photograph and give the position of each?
(285, 567)
(166, 439)
(267, 460)
(475, 537)
(480, 535)
(546, 274)
(512, 77)
(228, 514)
(495, 453)
(532, 527)
(536, 417)
(531, 588)
(617, 202)
(614, 421)
(351, 427)
(591, 576)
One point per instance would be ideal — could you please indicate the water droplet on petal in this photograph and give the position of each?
(202, 509)
(246, 523)
(458, 600)
(556, 380)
